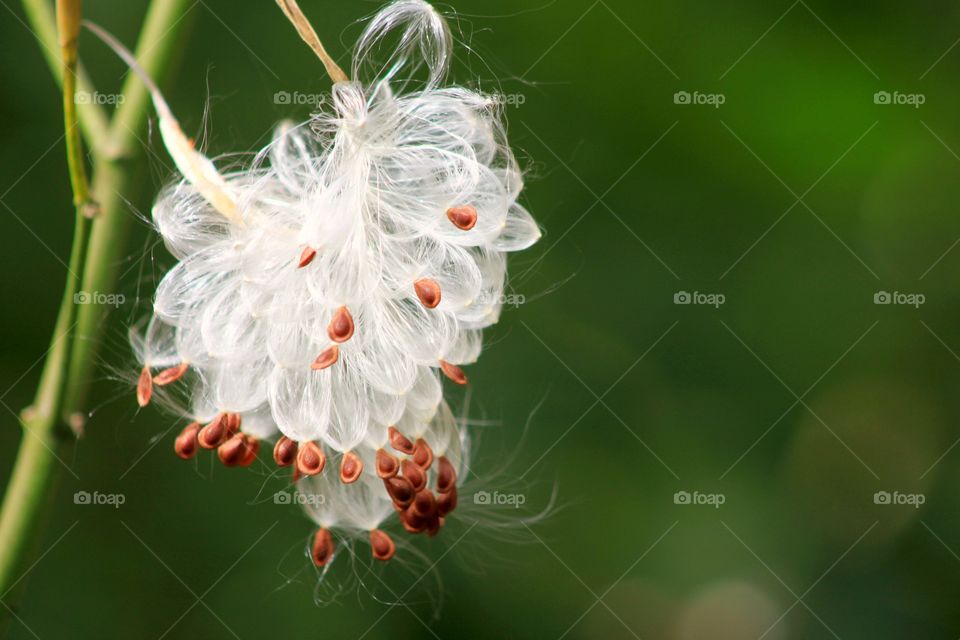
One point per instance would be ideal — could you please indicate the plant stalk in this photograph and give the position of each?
(97, 246)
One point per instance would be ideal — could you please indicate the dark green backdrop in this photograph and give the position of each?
(793, 403)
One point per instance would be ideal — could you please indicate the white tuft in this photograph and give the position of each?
(367, 185)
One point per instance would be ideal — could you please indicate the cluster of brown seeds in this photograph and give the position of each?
(405, 476)
(308, 459)
(420, 509)
(147, 380)
(234, 448)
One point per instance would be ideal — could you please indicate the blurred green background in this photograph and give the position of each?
(794, 402)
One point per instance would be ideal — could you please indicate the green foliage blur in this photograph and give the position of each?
(773, 161)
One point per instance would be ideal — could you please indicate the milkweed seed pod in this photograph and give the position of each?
(322, 294)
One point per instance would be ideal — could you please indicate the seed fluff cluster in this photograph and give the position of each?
(321, 294)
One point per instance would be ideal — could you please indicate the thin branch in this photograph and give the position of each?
(292, 10)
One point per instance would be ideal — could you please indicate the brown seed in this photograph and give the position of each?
(422, 454)
(168, 376)
(144, 387)
(446, 475)
(214, 433)
(399, 441)
(251, 449)
(447, 502)
(453, 372)
(425, 504)
(412, 522)
(416, 476)
(381, 545)
(232, 423)
(322, 548)
(464, 217)
(232, 452)
(327, 358)
(310, 459)
(186, 443)
(428, 291)
(306, 257)
(340, 328)
(400, 491)
(351, 466)
(285, 452)
(387, 464)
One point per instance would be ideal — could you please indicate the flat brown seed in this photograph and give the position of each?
(387, 464)
(400, 491)
(232, 452)
(232, 422)
(422, 454)
(322, 548)
(251, 449)
(453, 372)
(351, 466)
(428, 291)
(463, 217)
(446, 475)
(214, 433)
(186, 443)
(171, 375)
(306, 257)
(416, 476)
(327, 358)
(381, 545)
(144, 387)
(412, 522)
(340, 328)
(285, 452)
(447, 502)
(399, 441)
(310, 459)
(425, 504)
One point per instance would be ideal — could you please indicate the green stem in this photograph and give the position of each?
(93, 120)
(155, 48)
(68, 366)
